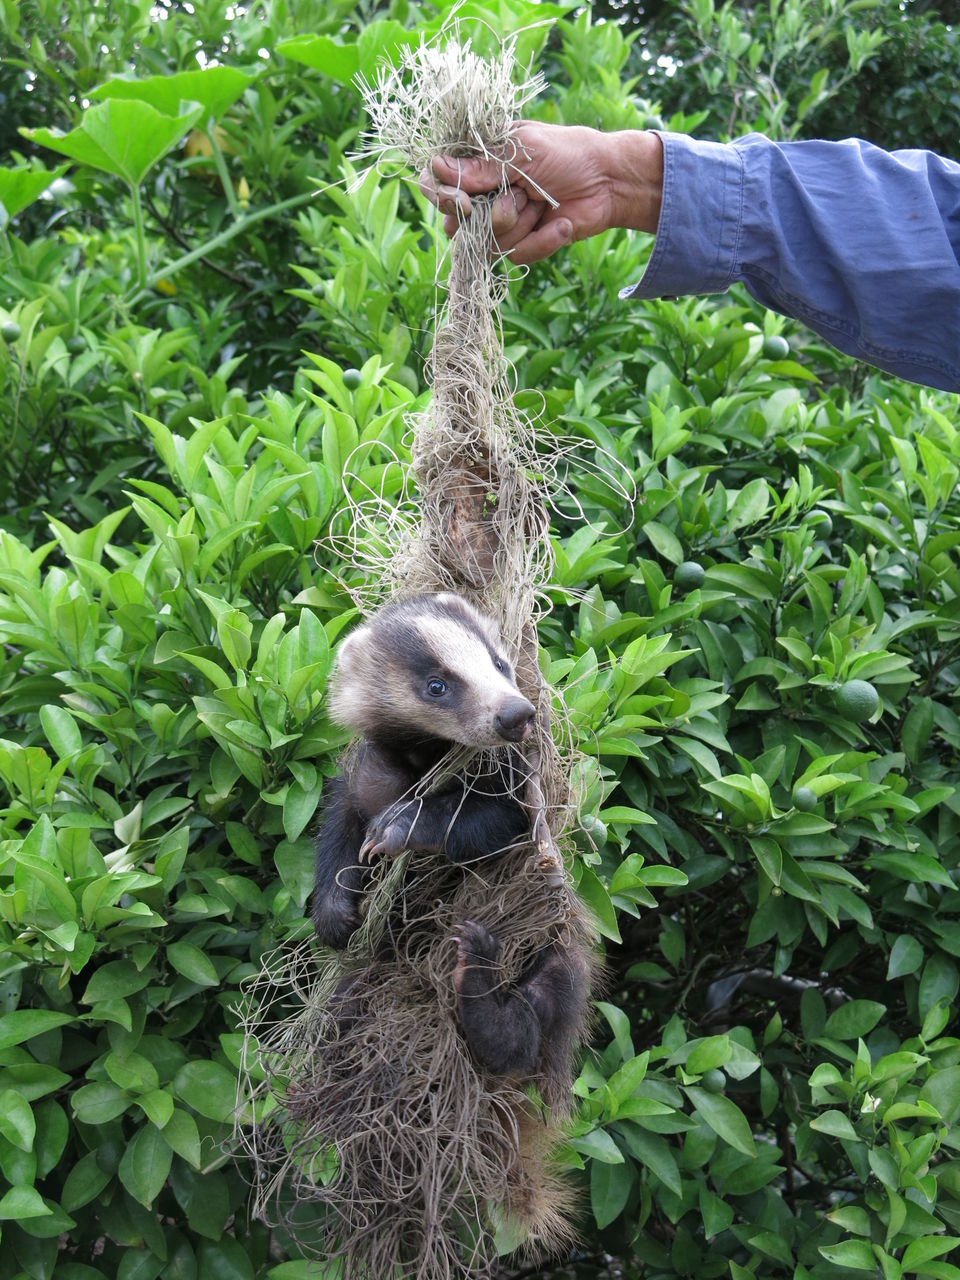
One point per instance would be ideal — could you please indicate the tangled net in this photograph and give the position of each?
(372, 1113)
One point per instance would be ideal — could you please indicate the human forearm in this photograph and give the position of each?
(633, 163)
(860, 244)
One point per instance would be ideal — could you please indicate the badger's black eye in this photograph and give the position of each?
(499, 664)
(437, 688)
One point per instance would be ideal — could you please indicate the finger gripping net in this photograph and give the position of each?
(379, 1140)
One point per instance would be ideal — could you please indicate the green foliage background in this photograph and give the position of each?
(775, 1083)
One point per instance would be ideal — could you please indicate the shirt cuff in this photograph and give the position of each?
(701, 214)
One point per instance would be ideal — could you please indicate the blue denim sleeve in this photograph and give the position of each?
(863, 245)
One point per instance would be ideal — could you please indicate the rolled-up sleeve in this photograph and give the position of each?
(861, 244)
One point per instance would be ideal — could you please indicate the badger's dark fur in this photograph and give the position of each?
(423, 675)
(530, 1026)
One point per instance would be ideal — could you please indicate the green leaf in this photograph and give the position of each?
(24, 1024)
(339, 61)
(157, 1106)
(713, 1051)
(654, 1153)
(21, 1203)
(935, 1022)
(212, 670)
(234, 630)
(917, 728)
(145, 1165)
(61, 730)
(836, 1124)
(83, 1183)
(856, 1254)
(716, 1213)
(598, 1145)
(299, 806)
(53, 1133)
(620, 1026)
(749, 505)
(666, 543)
(21, 186)
(724, 1117)
(224, 1260)
(939, 981)
(125, 138)
(852, 1218)
(942, 1091)
(16, 1119)
(193, 964)
(625, 1079)
(700, 753)
(131, 1071)
(854, 1019)
(115, 981)
(906, 956)
(920, 868)
(214, 88)
(769, 855)
(298, 1271)
(34, 1081)
(183, 1136)
(597, 899)
(208, 1087)
(610, 1186)
(139, 1264)
(920, 1251)
(100, 1102)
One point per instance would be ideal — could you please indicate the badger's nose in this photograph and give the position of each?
(515, 719)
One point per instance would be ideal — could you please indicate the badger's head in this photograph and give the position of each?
(431, 666)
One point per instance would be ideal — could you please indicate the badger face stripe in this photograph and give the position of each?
(451, 606)
(468, 653)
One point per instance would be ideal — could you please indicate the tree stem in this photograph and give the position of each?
(223, 172)
(141, 241)
(234, 229)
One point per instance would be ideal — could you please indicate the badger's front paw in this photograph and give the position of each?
(389, 833)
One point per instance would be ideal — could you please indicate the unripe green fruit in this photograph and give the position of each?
(594, 828)
(689, 575)
(714, 1081)
(76, 344)
(352, 379)
(880, 510)
(9, 331)
(805, 799)
(775, 347)
(857, 700)
(821, 522)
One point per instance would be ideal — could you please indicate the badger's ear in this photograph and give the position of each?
(348, 652)
(449, 600)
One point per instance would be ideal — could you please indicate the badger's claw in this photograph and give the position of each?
(388, 834)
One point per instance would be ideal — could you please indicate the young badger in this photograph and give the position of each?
(423, 675)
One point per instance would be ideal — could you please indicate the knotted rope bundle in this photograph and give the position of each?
(373, 1114)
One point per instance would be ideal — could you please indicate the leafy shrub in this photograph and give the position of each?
(773, 865)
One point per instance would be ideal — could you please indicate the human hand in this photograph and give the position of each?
(598, 180)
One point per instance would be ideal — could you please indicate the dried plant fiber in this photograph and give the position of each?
(374, 1119)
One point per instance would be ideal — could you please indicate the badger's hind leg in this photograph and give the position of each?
(335, 907)
(513, 1030)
